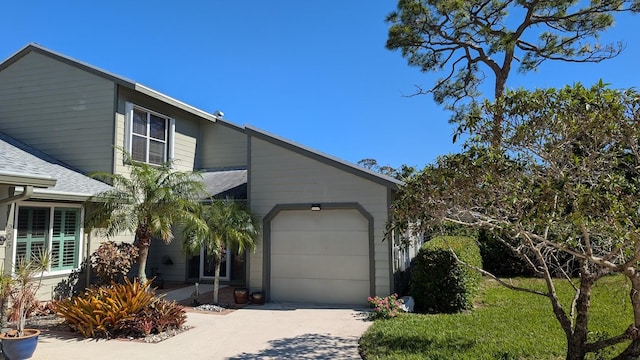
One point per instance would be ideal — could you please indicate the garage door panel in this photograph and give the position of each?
(340, 220)
(319, 243)
(314, 291)
(320, 257)
(316, 267)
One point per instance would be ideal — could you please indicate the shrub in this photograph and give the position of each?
(112, 260)
(72, 285)
(498, 258)
(384, 308)
(161, 315)
(439, 284)
(119, 310)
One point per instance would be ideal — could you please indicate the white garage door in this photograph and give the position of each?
(320, 257)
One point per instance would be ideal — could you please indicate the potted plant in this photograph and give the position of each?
(20, 343)
(241, 295)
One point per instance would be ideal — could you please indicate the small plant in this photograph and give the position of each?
(384, 308)
(112, 260)
(161, 315)
(24, 286)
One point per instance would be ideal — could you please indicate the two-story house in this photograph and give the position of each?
(323, 219)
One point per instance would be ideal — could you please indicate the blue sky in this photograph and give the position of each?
(315, 72)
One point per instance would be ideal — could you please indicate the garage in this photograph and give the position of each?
(320, 256)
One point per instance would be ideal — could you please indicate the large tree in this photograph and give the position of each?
(463, 39)
(564, 181)
(223, 225)
(148, 202)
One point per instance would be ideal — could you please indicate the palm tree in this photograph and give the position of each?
(223, 225)
(148, 203)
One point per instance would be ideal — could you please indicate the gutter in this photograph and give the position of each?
(27, 192)
(47, 194)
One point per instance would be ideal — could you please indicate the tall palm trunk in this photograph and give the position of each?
(216, 276)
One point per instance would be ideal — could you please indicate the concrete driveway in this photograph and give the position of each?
(270, 331)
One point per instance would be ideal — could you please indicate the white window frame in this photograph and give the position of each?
(51, 207)
(170, 127)
(227, 264)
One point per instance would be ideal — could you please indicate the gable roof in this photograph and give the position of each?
(122, 81)
(70, 184)
(330, 160)
(249, 130)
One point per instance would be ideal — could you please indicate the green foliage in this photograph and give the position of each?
(499, 259)
(561, 184)
(465, 40)
(505, 325)
(147, 202)
(384, 308)
(119, 310)
(439, 283)
(220, 226)
(223, 224)
(404, 172)
(111, 260)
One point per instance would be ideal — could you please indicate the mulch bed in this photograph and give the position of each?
(225, 297)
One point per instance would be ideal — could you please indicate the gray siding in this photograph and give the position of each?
(282, 176)
(59, 109)
(186, 135)
(223, 147)
(176, 272)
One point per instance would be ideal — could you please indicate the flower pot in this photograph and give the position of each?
(257, 298)
(241, 295)
(19, 348)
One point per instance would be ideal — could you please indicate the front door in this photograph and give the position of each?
(201, 267)
(208, 265)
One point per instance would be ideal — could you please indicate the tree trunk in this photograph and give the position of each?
(216, 277)
(576, 343)
(498, 117)
(143, 253)
(143, 241)
(633, 350)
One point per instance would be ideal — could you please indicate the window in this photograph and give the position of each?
(53, 229)
(148, 135)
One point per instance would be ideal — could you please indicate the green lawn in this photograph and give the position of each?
(504, 325)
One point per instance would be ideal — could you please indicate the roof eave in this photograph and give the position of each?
(174, 102)
(41, 194)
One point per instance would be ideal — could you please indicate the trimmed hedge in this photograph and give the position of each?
(439, 284)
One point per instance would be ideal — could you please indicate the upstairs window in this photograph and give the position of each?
(148, 135)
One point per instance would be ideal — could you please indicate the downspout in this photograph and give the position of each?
(88, 257)
(27, 192)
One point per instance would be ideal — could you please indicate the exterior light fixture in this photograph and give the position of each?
(315, 207)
